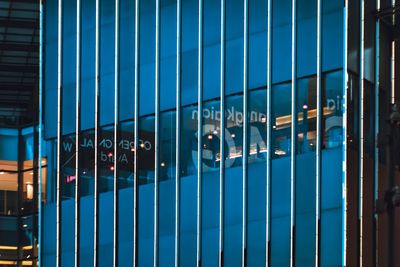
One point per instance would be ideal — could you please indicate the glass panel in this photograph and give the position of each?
(306, 115)
(332, 43)
(333, 109)
(188, 186)
(146, 190)
(86, 163)
(234, 46)
(331, 176)
(211, 48)
(256, 183)
(234, 130)
(8, 193)
(106, 158)
(167, 180)
(67, 170)
(106, 186)
(107, 33)
(281, 40)
(69, 68)
(211, 159)
(233, 197)
(125, 169)
(126, 65)
(280, 174)
(258, 27)
(189, 57)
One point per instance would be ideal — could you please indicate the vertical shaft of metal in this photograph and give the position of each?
(344, 131)
(178, 127)
(269, 149)
(96, 134)
(376, 136)
(222, 138)
(59, 125)
(136, 137)
(293, 136)
(116, 132)
(319, 135)
(157, 132)
(245, 129)
(199, 131)
(40, 130)
(77, 127)
(361, 123)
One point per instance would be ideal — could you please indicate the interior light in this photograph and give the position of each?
(215, 132)
(274, 126)
(111, 168)
(305, 106)
(162, 164)
(1, 172)
(263, 119)
(110, 154)
(141, 145)
(31, 173)
(233, 135)
(210, 136)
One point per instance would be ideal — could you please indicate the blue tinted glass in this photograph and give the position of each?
(258, 27)
(234, 46)
(69, 66)
(333, 109)
(332, 43)
(188, 187)
(107, 33)
(88, 64)
(210, 182)
(280, 174)
(168, 54)
(189, 57)
(126, 59)
(256, 183)
(281, 40)
(306, 115)
(167, 171)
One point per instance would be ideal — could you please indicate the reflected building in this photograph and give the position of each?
(215, 133)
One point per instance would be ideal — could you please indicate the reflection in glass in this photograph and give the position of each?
(281, 120)
(67, 170)
(146, 150)
(258, 126)
(306, 115)
(86, 163)
(106, 158)
(234, 130)
(332, 109)
(189, 141)
(126, 149)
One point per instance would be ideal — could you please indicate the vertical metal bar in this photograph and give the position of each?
(59, 125)
(178, 127)
(376, 147)
(157, 132)
(293, 136)
(222, 138)
(116, 130)
(269, 149)
(319, 135)
(96, 133)
(40, 130)
(200, 130)
(136, 136)
(245, 129)
(77, 127)
(361, 155)
(344, 130)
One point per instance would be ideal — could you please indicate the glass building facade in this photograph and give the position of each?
(210, 133)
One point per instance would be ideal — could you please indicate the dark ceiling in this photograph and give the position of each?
(19, 61)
